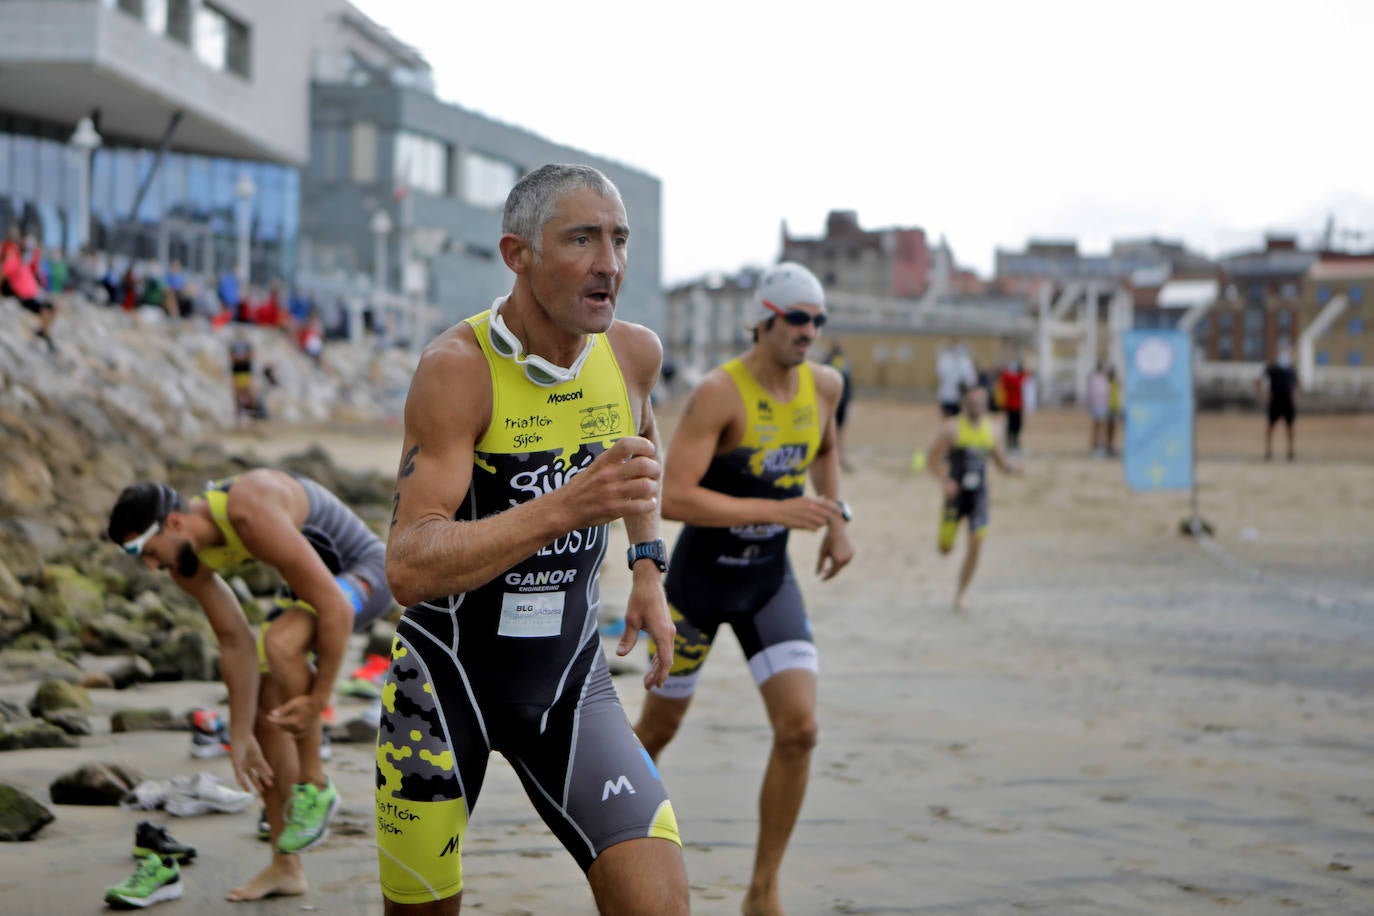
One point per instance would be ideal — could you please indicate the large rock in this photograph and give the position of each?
(21, 815)
(136, 670)
(94, 784)
(28, 735)
(188, 655)
(54, 694)
(82, 598)
(113, 635)
(159, 719)
(18, 666)
(70, 721)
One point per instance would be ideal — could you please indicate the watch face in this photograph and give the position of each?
(652, 550)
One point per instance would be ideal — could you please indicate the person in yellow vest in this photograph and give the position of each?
(958, 459)
(280, 679)
(528, 430)
(736, 473)
(1116, 400)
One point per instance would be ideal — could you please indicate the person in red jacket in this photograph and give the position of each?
(1012, 382)
(23, 285)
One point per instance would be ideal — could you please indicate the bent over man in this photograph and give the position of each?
(735, 473)
(335, 583)
(528, 429)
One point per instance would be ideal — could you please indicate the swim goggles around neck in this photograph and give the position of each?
(537, 369)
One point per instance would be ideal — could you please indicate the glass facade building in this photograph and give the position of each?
(191, 205)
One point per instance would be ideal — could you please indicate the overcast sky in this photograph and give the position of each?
(1208, 121)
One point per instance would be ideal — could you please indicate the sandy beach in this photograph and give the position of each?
(1127, 722)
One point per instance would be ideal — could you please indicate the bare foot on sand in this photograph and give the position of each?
(961, 605)
(276, 880)
(762, 903)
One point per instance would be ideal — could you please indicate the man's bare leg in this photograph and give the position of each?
(975, 544)
(640, 876)
(449, 906)
(288, 644)
(790, 697)
(659, 720)
(285, 874)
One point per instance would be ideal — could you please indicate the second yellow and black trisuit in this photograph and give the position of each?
(968, 467)
(516, 664)
(350, 551)
(741, 575)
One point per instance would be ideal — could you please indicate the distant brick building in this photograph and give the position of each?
(1260, 306)
(881, 262)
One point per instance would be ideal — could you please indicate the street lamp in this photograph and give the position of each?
(85, 140)
(381, 228)
(244, 190)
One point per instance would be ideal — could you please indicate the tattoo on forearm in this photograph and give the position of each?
(395, 507)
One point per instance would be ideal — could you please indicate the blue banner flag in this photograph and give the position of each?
(1159, 410)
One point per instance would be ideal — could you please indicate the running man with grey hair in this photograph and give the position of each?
(335, 584)
(528, 429)
(735, 473)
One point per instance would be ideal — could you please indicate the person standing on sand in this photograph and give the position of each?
(958, 460)
(335, 584)
(1278, 387)
(528, 430)
(735, 473)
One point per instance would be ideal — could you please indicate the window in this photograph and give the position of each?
(1225, 348)
(422, 163)
(155, 16)
(1355, 294)
(179, 20)
(1323, 295)
(487, 180)
(1202, 331)
(1355, 326)
(364, 152)
(1354, 358)
(1284, 320)
(328, 152)
(220, 41)
(1323, 357)
(238, 51)
(1225, 322)
(211, 36)
(4, 164)
(1252, 330)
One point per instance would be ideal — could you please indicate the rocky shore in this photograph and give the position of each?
(124, 397)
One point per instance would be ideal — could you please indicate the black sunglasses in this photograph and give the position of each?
(797, 317)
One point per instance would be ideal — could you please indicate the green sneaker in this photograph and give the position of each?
(307, 817)
(156, 879)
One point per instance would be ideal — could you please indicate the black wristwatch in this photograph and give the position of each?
(649, 550)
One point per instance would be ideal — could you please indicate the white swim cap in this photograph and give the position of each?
(785, 285)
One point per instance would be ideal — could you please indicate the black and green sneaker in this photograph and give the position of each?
(156, 879)
(150, 839)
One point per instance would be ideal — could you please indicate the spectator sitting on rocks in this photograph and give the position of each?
(22, 285)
